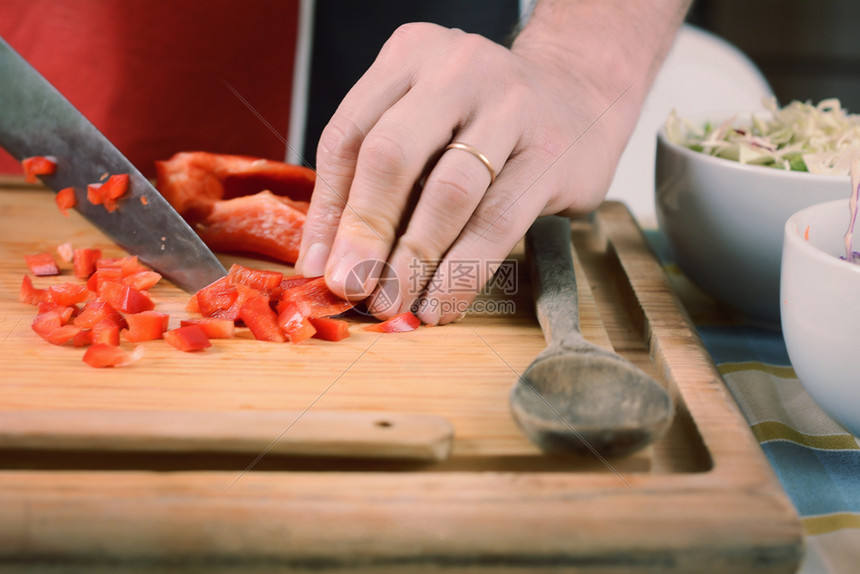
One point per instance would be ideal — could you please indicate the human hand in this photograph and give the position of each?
(550, 121)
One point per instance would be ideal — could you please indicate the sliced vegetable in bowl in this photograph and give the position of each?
(821, 139)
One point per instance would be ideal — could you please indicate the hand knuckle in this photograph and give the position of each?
(384, 154)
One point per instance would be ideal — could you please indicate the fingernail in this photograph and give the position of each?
(314, 260)
(349, 277)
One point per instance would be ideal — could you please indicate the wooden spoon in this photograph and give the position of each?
(576, 396)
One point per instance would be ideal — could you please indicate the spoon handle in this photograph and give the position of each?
(553, 279)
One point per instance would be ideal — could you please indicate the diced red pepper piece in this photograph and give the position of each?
(65, 312)
(193, 305)
(96, 311)
(31, 295)
(212, 327)
(65, 251)
(314, 299)
(329, 329)
(128, 265)
(124, 298)
(288, 283)
(68, 294)
(142, 280)
(260, 279)
(65, 200)
(104, 274)
(51, 327)
(106, 332)
(217, 297)
(108, 192)
(38, 165)
(145, 326)
(296, 327)
(100, 355)
(83, 338)
(398, 324)
(85, 262)
(259, 317)
(189, 338)
(42, 264)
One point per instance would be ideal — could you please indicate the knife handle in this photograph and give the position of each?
(418, 437)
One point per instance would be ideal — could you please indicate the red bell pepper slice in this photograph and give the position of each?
(100, 355)
(189, 338)
(296, 327)
(145, 326)
(260, 279)
(42, 264)
(212, 327)
(85, 262)
(259, 317)
(398, 324)
(262, 223)
(31, 295)
(38, 165)
(65, 200)
(314, 299)
(329, 329)
(191, 180)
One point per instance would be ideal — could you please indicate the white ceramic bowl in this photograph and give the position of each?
(724, 222)
(820, 299)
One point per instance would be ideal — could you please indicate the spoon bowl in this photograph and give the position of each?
(588, 400)
(578, 397)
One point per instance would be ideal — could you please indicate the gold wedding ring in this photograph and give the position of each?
(474, 151)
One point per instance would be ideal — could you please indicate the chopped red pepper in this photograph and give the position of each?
(38, 165)
(95, 311)
(42, 264)
(51, 327)
(261, 320)
(296, 327)
(108, 192)
(124, 298)
(262, 223)
(212, 327)
(314, 299)
(259, 279)
(101, 355)
(145, 326)
(65, 200)
(239, 203)
(65, 251)
(68, 294)
(31, 295)
(106, 331)
(329, 329)
(397, 324)
(85, 262)
(189, 338)
(142, 280)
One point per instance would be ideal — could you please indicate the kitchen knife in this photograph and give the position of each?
(36, 119)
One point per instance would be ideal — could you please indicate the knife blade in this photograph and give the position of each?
(36, 119)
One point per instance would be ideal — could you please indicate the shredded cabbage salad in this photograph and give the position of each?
(823, 138)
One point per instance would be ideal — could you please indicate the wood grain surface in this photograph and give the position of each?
(703, 499)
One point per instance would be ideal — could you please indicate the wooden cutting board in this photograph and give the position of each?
(703, 499)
